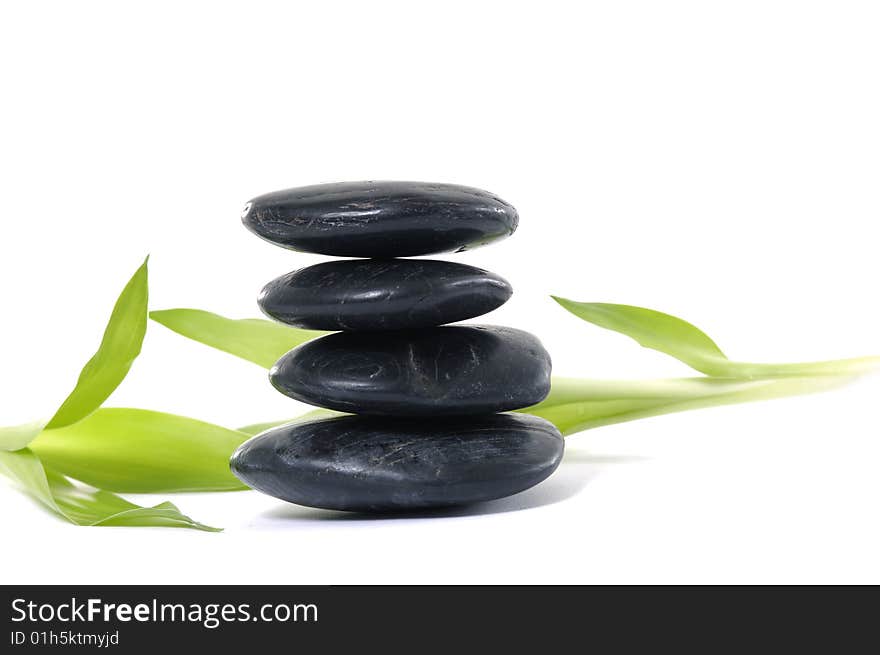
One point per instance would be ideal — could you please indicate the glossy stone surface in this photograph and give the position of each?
(363, 463)
(441, 371)
(380, 219)
(377, 294)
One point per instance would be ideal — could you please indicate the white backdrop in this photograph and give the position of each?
(718, 161)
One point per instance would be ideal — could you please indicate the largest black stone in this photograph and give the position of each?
(362, 463)
(380, 219)
(441, 371)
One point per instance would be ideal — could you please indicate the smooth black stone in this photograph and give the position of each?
(380, 219)
(362, 463)
(441, 371)
(382, 294)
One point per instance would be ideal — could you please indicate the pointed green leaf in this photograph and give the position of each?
(651, 329)
(678, 338)
(18, 436)
(82, 506)
(119, 347)
(256, 340)
(575, 405)
(141, 451)
(256, 428)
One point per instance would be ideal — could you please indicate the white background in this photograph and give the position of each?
(718, 161)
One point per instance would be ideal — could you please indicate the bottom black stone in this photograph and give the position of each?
(378, 464)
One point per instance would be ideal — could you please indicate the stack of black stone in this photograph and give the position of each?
(428, 428)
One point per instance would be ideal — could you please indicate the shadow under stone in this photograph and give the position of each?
(576, 472)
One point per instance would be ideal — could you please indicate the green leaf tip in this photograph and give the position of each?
(315, 414)
(141, 451)
(120, 345)
(651, 329)
(87, 507)
(687, 343)
(253, 339)
(575, 405)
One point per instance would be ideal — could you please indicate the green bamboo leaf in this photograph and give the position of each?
(256, 340)
(678, 338)
(575, 405)
(651, 329)
(119, 347)
(141, 451)
(83, 506)
(18, 436)
(256, 428)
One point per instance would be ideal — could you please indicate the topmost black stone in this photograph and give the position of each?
(380, 219)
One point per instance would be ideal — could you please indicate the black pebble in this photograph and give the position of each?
(361, 463)
(441, 371)
(380, 219)
(376, 294)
